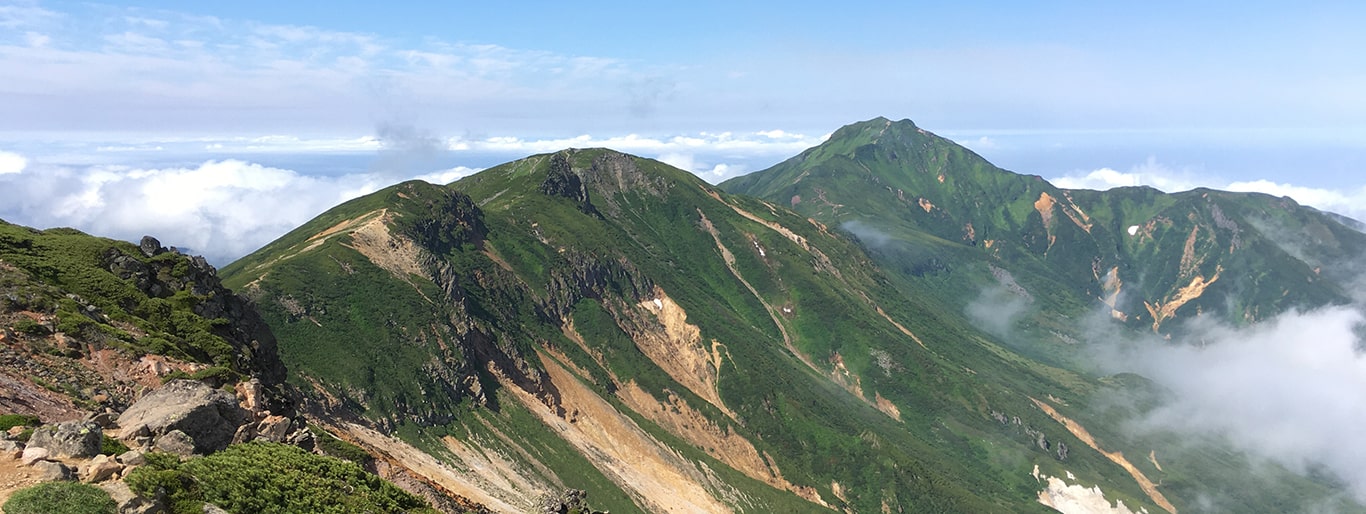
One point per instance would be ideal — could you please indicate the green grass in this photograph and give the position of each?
(8, 421)
(269, 478)
(61, 498)
(55, 263)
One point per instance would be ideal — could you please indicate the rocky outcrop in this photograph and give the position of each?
(208, 416)
(569, 500)
(243, 328)
(563, 182)
(72, 439)
(446, 219)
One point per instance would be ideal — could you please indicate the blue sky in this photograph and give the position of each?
(319, 101)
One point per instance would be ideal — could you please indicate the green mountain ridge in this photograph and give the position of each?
(768, 361)
(886, 322)
(1151, 256)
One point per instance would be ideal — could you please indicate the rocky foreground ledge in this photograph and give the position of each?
(186, 418)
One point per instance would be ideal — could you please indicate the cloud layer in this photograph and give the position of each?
(1349, 201)
(222, 209)
(1291, 389)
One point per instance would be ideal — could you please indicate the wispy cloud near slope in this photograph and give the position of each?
(1289, 389)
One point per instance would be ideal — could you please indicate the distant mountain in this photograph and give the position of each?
(595, 320)
(1154, 258)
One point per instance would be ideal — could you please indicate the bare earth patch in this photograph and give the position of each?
(658, 479)
(1118, 458)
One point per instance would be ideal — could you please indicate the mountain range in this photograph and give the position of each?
(886, 322)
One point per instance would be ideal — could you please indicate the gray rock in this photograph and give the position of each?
(303, 438)
(150, 246)
(132, 458)
(128, 502)
(244, 434)
(210, 508)
(176, 442)
(33, 454)
(105, 420)
(75, 439)
(49, 471)
(208, 416)
(7, 446)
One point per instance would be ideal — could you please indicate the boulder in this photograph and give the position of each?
(150, 246)
(7, 446)
(49, 471)
(252, 395)
(132, 458)
(129, 502)
(208, 416)
(105, 420)
(101, 468)
(176, 442)
(245, 433)
(74, 439)
(274, 428)
(210, 508)
(33, 454)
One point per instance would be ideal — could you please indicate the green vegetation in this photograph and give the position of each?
(806, 331)
(335, 447)
(112, 447)
(61, 498)
(8, 421)
(269, 478)
(68, 274)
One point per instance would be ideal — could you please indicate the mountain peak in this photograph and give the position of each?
(874, 130)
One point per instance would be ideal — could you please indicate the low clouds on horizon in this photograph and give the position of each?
(1349, 202)
(221, 209)
(225, 206)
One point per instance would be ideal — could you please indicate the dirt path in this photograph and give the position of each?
(14, 475)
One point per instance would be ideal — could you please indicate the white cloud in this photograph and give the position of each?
(11, 163)
(678, 160)
(222, 209)
(36, 40)
(1348, 202)
(15, 16)
(979, 144)
(713, 173)
(724, 171)
(678, 147)
(444, 177)
(1150, 173)
(1291, 389)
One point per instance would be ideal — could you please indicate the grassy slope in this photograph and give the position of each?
(875, 173)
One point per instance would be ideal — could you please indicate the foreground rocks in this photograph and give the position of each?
(208, 417)
(72, 439)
